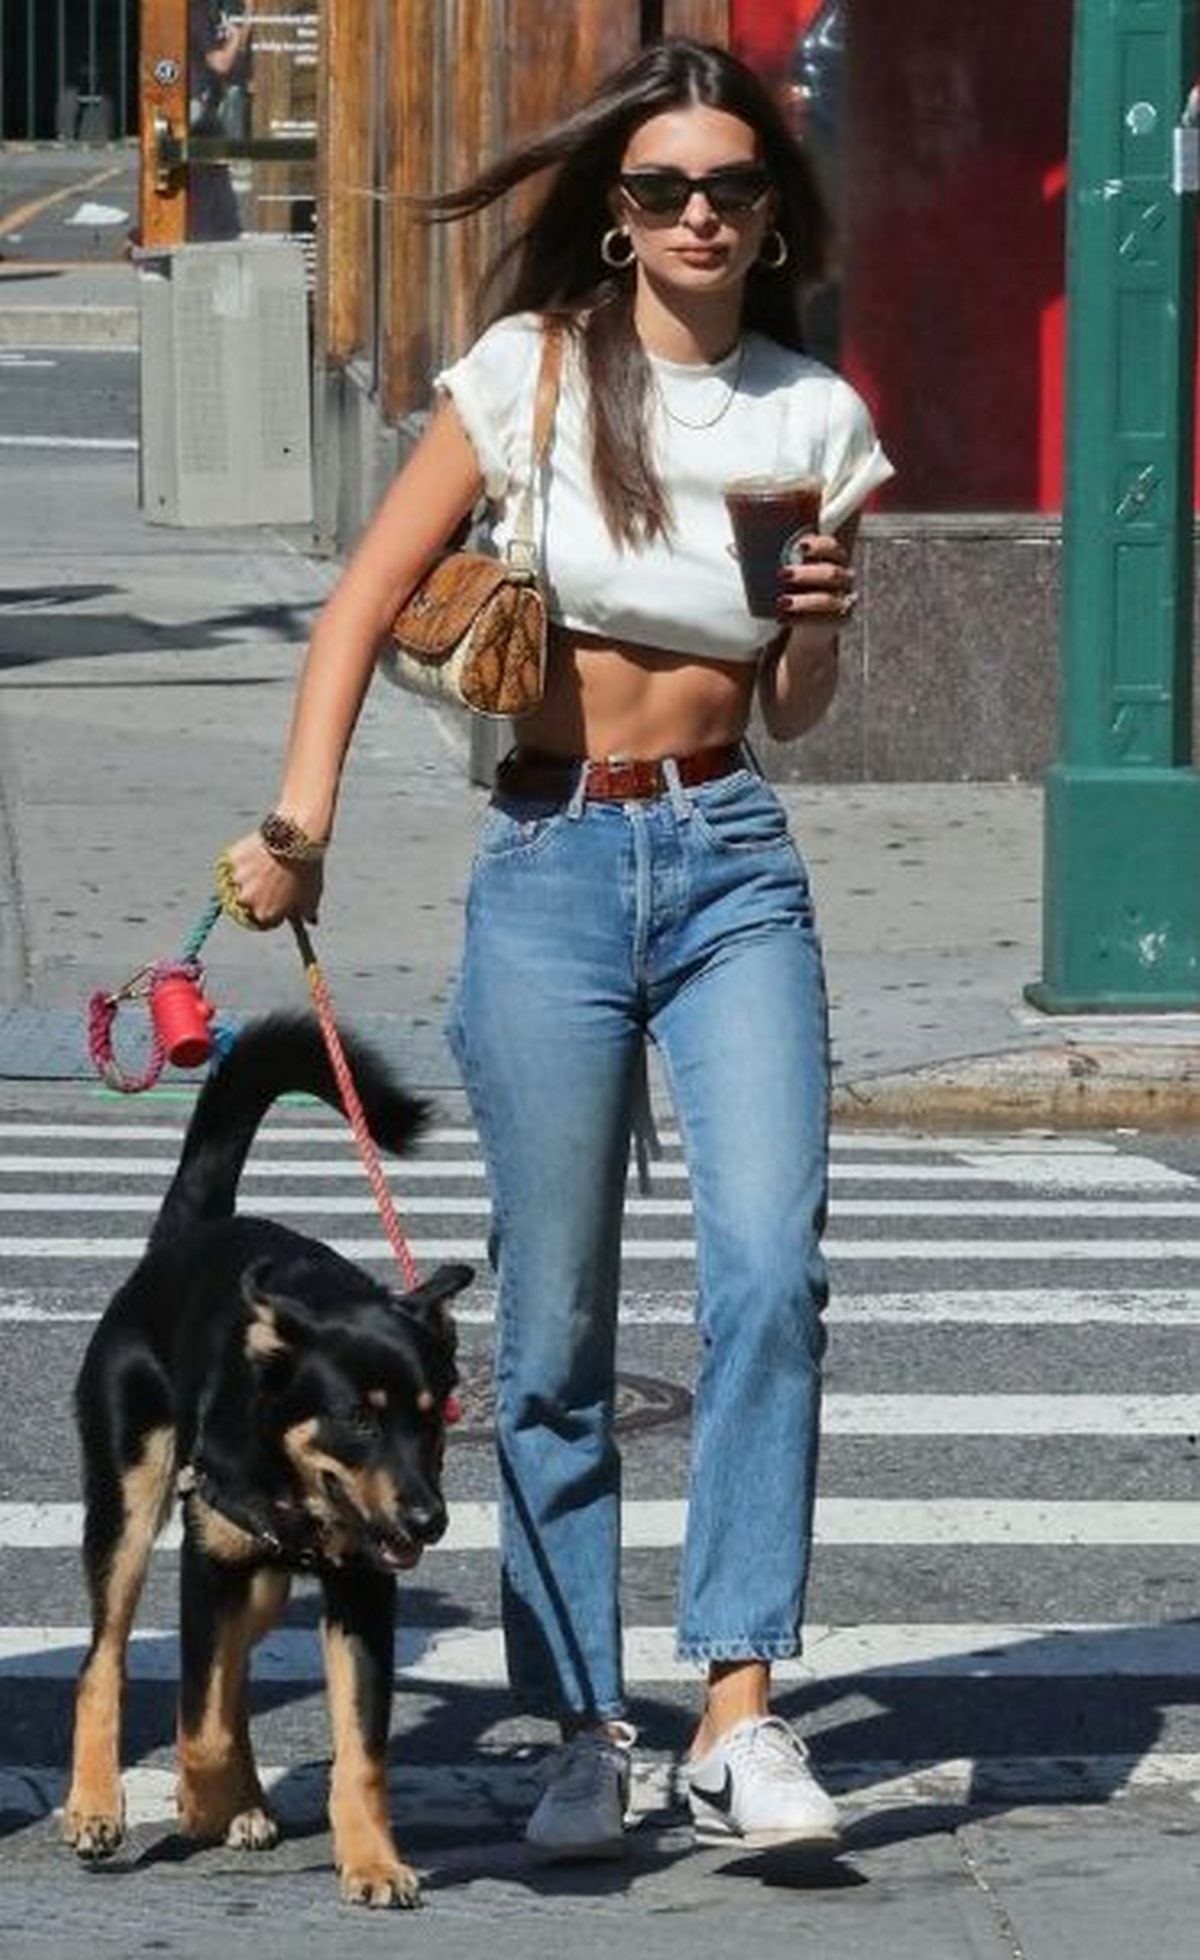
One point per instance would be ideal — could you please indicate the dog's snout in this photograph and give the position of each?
(427, 1522)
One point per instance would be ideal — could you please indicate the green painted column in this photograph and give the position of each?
(1121, 904)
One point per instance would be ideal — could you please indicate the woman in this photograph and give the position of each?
(635, 880)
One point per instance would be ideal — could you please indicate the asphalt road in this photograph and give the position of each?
(1045, 1281)
(67, 398)
(65, 204)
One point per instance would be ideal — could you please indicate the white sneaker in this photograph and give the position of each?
(581, 1811)
(756, 1785)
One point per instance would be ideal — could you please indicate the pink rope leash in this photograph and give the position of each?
(353, 1107)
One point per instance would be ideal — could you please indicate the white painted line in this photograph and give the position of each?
(445, 1792)
(475, 1656)
(110, 1164)
(1012, 1415)
(1015, 1307)
(1097, 1177)
(1146, 1253)
(126, 445)
(361, 1204)
(118, 1125)
(657, 1524)
(1020, 1307)
(1043, 1307)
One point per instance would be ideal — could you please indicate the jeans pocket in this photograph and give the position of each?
(742, 814)
(517, 829)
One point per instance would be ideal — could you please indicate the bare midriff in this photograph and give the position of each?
(608, 698)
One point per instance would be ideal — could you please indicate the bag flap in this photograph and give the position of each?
(446, 602)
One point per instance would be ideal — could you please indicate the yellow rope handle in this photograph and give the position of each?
(232, 903)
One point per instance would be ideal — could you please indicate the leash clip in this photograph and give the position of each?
(137, 987)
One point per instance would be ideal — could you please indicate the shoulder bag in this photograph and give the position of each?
(473, 630)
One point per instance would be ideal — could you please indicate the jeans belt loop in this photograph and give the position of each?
(680, 802)
(578, 796)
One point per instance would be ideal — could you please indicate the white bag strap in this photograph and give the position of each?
(522, 548)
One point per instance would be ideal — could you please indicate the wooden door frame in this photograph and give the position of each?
(163, 91)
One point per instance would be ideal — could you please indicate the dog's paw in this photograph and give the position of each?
(393, 1884)
(93, 1834)
(253, 1830)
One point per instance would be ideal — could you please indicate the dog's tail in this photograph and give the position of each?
(281, 1055)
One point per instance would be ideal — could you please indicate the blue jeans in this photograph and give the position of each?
(590, 928)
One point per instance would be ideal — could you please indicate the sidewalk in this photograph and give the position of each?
(57, 304)
(145, 687)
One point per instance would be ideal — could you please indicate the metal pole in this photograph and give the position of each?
(30, 72)
(122, 128)
(1121, 904)
(60, 78)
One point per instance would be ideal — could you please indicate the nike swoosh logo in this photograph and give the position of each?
(721, 1799)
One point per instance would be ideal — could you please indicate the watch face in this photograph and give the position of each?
(285, 838)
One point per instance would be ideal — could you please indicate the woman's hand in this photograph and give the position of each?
(817, 595)
(816, 585)
(271, 889)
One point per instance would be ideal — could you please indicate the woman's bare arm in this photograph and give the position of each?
(436, 489)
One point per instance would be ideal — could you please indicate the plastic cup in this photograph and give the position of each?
(768, 513)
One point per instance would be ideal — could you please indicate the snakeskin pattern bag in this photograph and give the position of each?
(474, 629)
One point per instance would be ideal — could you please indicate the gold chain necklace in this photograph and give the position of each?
(710, 421)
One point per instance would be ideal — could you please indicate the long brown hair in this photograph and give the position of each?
(553, 264)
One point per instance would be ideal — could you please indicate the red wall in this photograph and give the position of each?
(951, 177)
(955, 139)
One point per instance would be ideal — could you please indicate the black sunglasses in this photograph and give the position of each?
(664, 193)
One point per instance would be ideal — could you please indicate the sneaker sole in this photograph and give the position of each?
(816, 1839)
(565, 1854)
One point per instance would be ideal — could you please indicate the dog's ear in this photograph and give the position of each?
(426, 1304)
(277, 1321)
(427, 1301)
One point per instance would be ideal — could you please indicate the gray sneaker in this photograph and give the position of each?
(581, 1811)
(756, 1786)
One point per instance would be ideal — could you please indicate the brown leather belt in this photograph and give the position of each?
(534, 772)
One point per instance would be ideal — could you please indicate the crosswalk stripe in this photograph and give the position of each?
(474, 1656)
(1036, 1307)
(1011, 1415)
(286, 1204)
(116, 1127)
(1097, 1178)
(1105, 1252)
(658, 1523)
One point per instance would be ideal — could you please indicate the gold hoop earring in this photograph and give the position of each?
(617, 262)
(779, 253)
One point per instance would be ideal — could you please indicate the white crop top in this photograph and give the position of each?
(787, 416)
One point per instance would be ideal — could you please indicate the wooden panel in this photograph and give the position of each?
(345, 178)
(474, 135)
(704, 20)
(163, 87)
(558, 54)
(411, 251)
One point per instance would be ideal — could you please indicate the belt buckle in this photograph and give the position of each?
(628, 778)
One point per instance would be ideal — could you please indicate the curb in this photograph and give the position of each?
(67, 327)
(1070, 1086)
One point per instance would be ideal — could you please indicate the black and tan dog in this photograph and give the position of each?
(300, 1407)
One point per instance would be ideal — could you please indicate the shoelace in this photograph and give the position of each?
(775, 1751)
(575, 1771)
